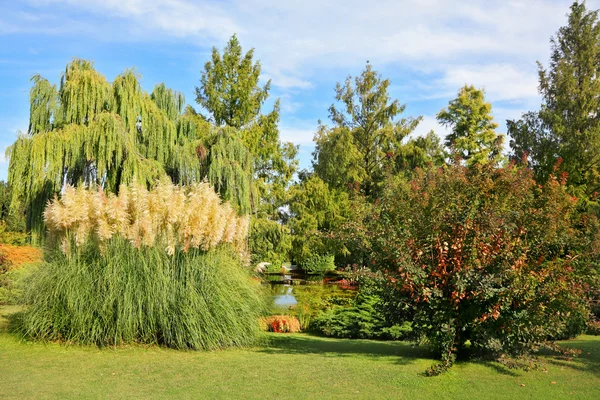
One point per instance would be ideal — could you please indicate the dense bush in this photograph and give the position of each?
(315, 299)
(11, 237)
(593, 327)
(362, 320)
(14, 282)
(281, 324)
(484, 255)
(318, 264)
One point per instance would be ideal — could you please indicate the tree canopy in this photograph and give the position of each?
(94, 133)
(366, 135)
(567, 127)
(473, 134)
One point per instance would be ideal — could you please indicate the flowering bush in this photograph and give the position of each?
(484, 255)
(281, 324)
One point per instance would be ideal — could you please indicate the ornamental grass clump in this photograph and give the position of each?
(157, 267)
(168, 216)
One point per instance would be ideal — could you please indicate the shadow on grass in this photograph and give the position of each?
(9, 317)
(587, 361)
(402, 352)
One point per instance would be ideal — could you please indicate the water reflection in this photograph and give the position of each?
(290, 289)
(283, 296)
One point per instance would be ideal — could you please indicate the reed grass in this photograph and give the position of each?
(161, 266)
(194, 300)
(168, 216)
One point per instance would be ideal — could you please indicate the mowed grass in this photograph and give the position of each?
(295, 366)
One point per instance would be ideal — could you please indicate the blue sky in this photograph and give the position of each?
(428, 50)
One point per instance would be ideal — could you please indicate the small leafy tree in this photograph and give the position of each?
(483, 255)
(357, 151)
(317, 211)
(473, 136)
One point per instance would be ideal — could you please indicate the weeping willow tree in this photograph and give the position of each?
(94, 133)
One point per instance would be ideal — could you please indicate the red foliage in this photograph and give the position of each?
(281, 324)
(484, 254)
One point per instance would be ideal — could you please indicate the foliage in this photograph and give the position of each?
(318, 264)
(11, 237)
(317, 211)
(15, 268)
(473, 133)
(369, 315)
(19, 256)
(229, 91)
(229, 88)
(593, 327)
(4, 282)
(93, 133)
(315, 299)
(12, 221)
(366, 134)
(281, 324)
(567, 126)
(269, 241)
(14, 282)
(361, 321)
(483, 255)
(420, 152)
(230, 169)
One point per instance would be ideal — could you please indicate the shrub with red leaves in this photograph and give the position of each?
(484, 255)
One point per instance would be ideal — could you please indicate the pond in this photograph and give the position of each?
(288, 290)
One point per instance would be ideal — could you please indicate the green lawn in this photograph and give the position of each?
(289, 366)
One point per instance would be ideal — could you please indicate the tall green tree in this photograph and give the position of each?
(231, 95)
(229, 88)
(473, 134)
(567, 126)
(366, 136)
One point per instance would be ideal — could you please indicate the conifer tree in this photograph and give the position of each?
(567, 126)
(473, 136)
(366, 137)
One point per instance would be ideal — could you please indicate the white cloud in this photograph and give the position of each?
(297, 135)
(177, 18)
(295, 39)
(427, 124)
(500, 81)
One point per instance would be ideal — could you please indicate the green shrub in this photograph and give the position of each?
(12, 237)
(120, 294)
(359, 321)
(318, 264)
